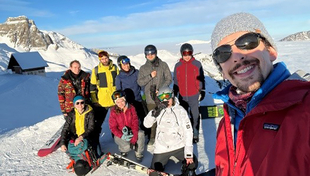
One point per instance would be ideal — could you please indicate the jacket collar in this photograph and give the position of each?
(278, 75)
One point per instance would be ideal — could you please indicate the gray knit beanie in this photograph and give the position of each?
(236, 23)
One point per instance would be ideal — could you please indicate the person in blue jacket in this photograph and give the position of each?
(127, 81)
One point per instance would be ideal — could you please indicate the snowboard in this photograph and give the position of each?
(51, 145)
(215, 111)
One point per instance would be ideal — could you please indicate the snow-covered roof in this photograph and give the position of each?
(29, 60)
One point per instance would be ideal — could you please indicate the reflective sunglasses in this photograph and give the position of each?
(125, 61)
(187, 53)
(103, 53)
(247, 41)
(117, 95)
(150, 52)
(164, 96)
(80, 102)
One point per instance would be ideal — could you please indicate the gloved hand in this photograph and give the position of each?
(127, 137)
(127, 133)
(202, 95)
(153, 93)
(162, 105)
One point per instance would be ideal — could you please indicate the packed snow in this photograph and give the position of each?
(30, 112)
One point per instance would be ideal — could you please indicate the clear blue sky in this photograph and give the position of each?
(109, 23)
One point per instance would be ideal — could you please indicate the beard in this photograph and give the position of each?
(251, 83)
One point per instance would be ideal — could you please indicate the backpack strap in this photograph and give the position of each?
(96, 72)
(300, 75)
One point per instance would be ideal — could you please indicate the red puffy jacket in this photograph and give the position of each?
(273, 138)
(117, 121)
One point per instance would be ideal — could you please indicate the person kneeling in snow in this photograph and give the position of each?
(174, 134)
(124, 125)
(77, 135)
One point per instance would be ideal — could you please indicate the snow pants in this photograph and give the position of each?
(125, 146)
(160, 160)
(191, 105)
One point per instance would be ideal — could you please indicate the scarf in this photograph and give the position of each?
(240, 100)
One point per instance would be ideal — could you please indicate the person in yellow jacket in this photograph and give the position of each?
(102, 86)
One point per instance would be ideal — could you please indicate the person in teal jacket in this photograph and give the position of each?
(266, 124)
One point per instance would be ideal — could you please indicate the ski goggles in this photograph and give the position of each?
(247, 41)
(79, 103)
(164, 96)
(150, 52)
(117, 94)
(187, 53)
(125, 61)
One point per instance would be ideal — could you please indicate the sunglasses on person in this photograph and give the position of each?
(103, 53)
(80, 103)
(117, 95)
(187, 53)
(150, 52)
(164, 96)
(125, 61)
(247, 41)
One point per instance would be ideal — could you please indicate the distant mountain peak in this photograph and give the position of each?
(305, 35)
(24, 33)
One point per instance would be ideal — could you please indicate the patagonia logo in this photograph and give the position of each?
(269, 126)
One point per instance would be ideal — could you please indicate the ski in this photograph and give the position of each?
(99, 162)
(51, 145)
(119, 160)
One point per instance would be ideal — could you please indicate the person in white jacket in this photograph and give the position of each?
(174, 134)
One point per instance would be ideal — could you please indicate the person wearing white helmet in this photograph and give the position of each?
(174, 134)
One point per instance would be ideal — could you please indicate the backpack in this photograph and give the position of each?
(82, 158)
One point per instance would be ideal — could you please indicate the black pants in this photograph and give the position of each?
(100, 114)
(160, 160)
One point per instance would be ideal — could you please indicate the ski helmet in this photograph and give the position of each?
(81, 167)
(150, 49)
(165, 93)
(186, 49)
(123, 60)
(118, 94)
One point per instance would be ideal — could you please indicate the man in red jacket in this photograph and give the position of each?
(189, 85)
(266, 125)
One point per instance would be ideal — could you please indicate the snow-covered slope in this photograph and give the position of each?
(29, 111)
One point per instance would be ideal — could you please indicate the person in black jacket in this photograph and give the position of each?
(79, 125)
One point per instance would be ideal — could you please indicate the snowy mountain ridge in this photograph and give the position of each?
(299, 36)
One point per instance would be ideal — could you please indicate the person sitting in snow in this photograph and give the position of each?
(79, 126)
(124, 125)
(174, 133)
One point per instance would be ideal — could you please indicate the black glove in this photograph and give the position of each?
(175, 90)
(153, 91)
(156, 111)
(202, 95)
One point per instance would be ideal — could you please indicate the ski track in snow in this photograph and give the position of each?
(19, 149)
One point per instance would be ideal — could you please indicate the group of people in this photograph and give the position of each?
(266, 125)
(86, 99)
